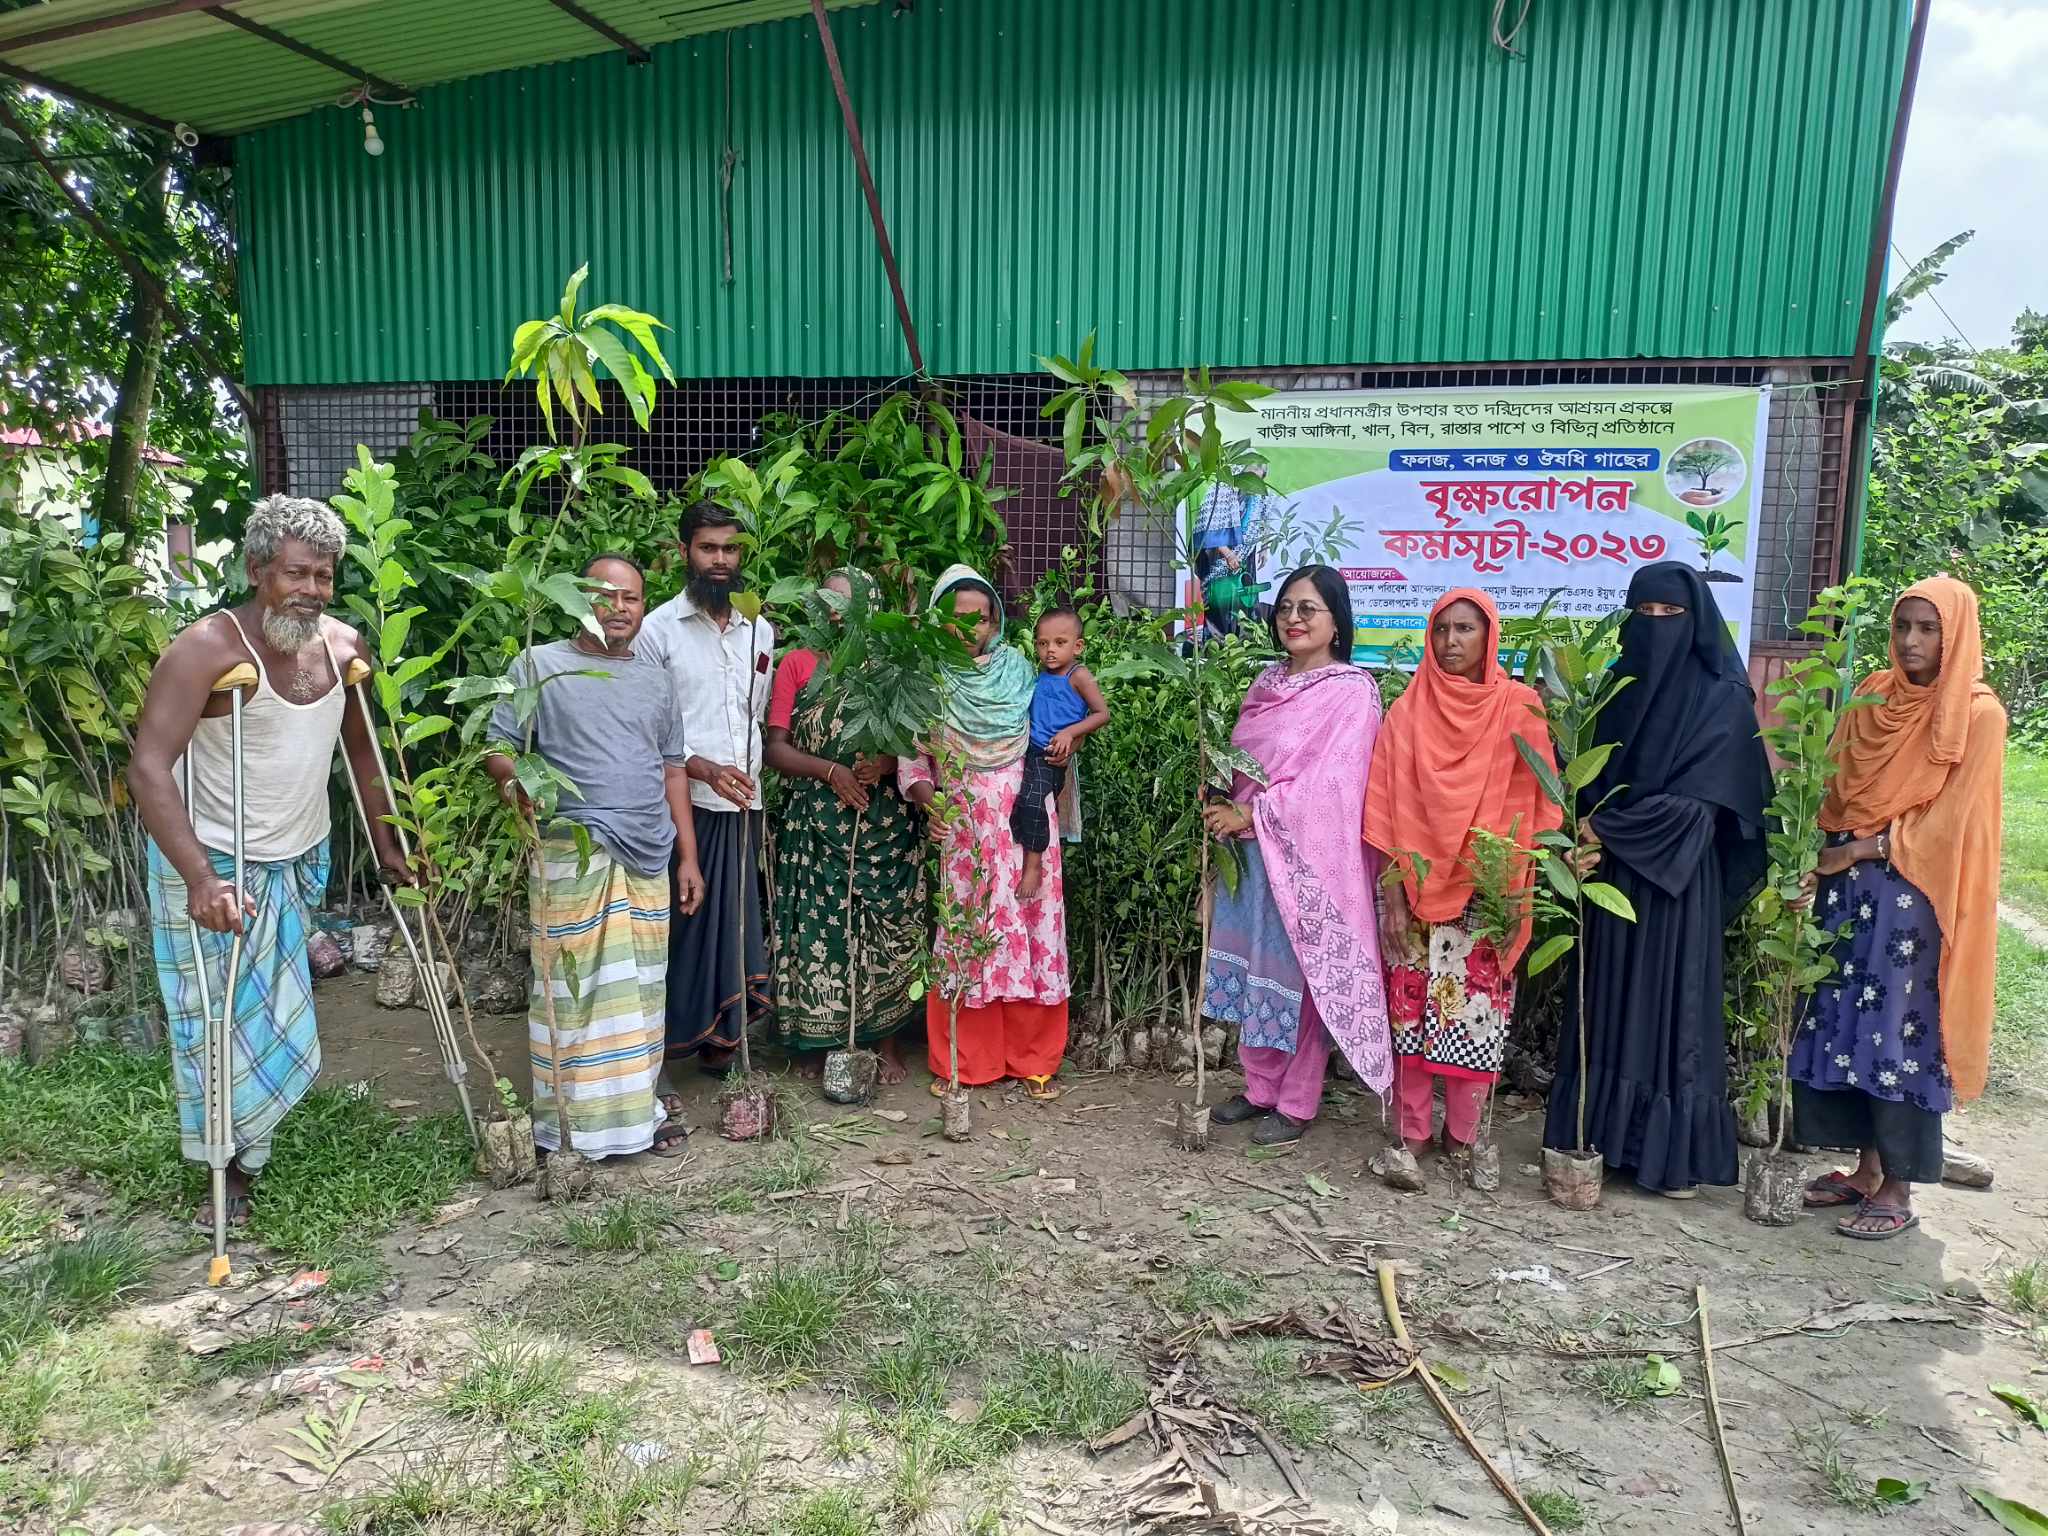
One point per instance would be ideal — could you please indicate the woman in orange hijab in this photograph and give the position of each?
(1909, 883)
(1446, 765)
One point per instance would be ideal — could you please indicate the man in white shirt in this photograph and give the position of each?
(721, 665)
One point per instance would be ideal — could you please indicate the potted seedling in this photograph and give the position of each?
(881, 673)
(560, 353)
(1796, 952)
(1500, 904)
(1170, 461)
(1578, 683)
(967, 937)
(506, 1156)
(746, 1107)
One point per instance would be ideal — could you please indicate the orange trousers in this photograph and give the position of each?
(997, 1041)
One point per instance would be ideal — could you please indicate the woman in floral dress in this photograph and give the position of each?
(1446, 770)
(849, 877)
(1908, 882)
(1013, 1001)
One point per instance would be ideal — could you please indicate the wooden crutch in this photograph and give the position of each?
(418, 946)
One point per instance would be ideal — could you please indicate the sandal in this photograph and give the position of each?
(942, 1086)
(670, 1136)
(1830, 1189)
(238, 1214)
(671, 1105)
(1900, 1218)
(1043, 1089)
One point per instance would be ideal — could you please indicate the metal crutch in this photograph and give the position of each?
(420, 946)
(217, 1056)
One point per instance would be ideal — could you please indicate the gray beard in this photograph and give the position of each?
(286, 635)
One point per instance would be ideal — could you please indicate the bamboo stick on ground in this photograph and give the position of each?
(1422, 1373)
(1714, 1415)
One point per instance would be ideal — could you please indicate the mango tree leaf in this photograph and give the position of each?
(1896, 1490)
(1585, 768)
(2020, 1519)
(1450, 1376)
(467, 690)
(1607, 897)
(1545, 774)
(1321, 1186)
(2020, 1403)
(1661, 1376)
(1549, 952)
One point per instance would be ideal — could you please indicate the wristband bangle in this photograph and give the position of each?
(1884, 845)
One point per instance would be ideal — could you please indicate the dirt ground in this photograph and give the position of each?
(1095, 1265)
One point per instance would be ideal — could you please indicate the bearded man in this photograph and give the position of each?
(721, 665)
(292, 717)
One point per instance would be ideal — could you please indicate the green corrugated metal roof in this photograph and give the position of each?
(1684, 179)
(195, 68)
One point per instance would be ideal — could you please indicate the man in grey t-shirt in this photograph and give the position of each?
(608, 721)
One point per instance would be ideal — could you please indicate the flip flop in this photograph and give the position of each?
(1835, 1189)
(670, 1138)
(671, 1105)
(1905, 1221)
(1043, 1089)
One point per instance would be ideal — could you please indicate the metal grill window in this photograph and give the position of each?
(311, 434)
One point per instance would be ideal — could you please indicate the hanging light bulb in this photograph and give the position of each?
(373, 144)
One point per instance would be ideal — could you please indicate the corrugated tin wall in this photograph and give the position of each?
(1292, 181)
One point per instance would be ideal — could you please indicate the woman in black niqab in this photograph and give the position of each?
(1680, 825)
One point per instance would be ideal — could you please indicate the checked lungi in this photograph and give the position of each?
(276, 1050)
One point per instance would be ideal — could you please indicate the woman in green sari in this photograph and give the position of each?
(849, 876)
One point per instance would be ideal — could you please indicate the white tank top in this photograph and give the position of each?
(287, 754)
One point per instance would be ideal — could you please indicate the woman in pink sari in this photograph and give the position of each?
(1294, 955)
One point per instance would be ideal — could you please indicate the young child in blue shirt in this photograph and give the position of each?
(1066, 705)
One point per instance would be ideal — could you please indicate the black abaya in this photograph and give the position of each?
(1679, 812)
(1657, 1098)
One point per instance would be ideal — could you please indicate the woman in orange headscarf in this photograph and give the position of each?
(1446, 770)
(1909, 883)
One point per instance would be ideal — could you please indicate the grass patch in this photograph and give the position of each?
(830, 1514)
(68, 1284)
(87, 1386)
(2026, 1287)
(510, 1378)
(1297, 1417)
(1559, 1511)
(1049, 1394)
(631, 1223)
(570, 1460)
(2021, 991)
(788, 1167)
(642, 1303)
(344, 1167)
(1384, 1415)
(935, 1341)
(1618, 1383)
(2023, 877)
(1821, 1449)
(263, 1353)
(22, 1222)
(1206, 1288)
(787, 1324)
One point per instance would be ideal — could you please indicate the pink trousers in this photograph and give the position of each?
(1289, 1081)
(1415, 1086)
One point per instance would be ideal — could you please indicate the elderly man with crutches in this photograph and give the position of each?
(230, 772)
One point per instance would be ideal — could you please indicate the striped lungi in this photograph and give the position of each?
(276, 1050)
(608, 930)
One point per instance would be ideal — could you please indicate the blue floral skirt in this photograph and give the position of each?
(1875, 1026)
